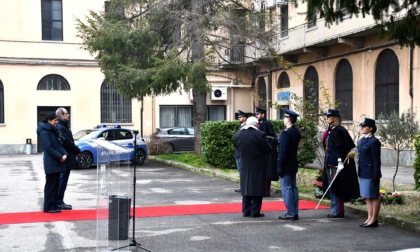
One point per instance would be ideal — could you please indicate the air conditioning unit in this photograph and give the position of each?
(218, 93)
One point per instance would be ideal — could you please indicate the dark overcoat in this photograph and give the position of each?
(53, 150)
(369, 163)
(253, 148)
(266, 127)
(68, 144)
(288, 145)
(338, 144)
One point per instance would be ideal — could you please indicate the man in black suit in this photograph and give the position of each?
(253, 148)
(288, 165)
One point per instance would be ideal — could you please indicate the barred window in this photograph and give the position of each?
(344, 89)
(311, 90)
(53, 82)
(115, 108)
(387, 83)
(1, 102)
(284, 81)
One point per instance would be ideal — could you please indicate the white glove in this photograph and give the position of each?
(340, 165)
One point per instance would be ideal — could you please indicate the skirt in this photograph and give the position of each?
(367, 189)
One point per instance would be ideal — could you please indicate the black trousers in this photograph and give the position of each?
(51, 191)
(251, 205)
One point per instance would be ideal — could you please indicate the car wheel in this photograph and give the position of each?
(139, 157)
(85, 160)
(169, 148)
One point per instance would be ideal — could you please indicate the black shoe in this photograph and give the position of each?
(334, 216)
(258, 215)
(65, 207)
(363, 224)
(374, 224)
(53, 211)
(246, 215)
(238, 190)
(289, 217)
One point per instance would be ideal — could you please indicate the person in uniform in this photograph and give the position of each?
(338, 144)
(266, 127)
(288, 165)
(253, 148)
(369, 151)
(242, 116)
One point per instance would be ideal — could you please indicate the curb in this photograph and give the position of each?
(387, 219)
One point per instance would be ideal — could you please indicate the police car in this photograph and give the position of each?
(109, 144)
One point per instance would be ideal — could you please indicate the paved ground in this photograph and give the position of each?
(21, 187)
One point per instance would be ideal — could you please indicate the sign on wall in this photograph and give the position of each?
(283, 96)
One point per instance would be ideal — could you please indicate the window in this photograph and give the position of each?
(344, 89)
(53, 82)
(262, 93)
(237, 40)
(1, 102)
(284, 19)
(176, 116)
(284, 81)
(52, 20)
(115, 108)
(387, 83)
(311, 90)
(280, 111)
(312, 20)
(216, 113)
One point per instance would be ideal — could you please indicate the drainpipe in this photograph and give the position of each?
(411, 77)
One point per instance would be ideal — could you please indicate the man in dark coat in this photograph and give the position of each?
(242, 116)
(72, 150)
(266, 127)
(288, 165)
(338, 144)
(253, 148)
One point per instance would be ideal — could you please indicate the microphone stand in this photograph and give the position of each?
(133, 242)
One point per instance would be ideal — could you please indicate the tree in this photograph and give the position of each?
(161, 47)
(398, 132)
(397, 19)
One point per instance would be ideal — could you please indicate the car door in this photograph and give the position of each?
(181, 139)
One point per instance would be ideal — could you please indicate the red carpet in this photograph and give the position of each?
(154, 211)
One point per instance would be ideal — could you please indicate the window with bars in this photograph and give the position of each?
(311, 90)
(344, 89)
(262, 93)
(52, 20)
(284, 81)
(53, 82)
(387, 83)
(1, 102)
(115, 108)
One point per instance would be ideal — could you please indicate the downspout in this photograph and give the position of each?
(141, 116)
(411, 77)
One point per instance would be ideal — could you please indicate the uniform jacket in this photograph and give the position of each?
(253, 149)
(236, 150)
(68, 143)
(266, 127)
(338, 144)
(53, 150)
(369, 164)
(288, 145)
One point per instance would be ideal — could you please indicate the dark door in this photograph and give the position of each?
(42, 112)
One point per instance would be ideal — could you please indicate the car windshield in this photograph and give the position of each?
(84, 134)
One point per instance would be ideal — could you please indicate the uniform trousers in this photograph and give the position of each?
(251, 205)
(337, 204)
(64, 178)
(50, 191)
(290, 194)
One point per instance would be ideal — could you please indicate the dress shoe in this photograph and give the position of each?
(246, 215)
(258, 215)
(237, 190)
(65, 207)
(289, 217)
(53, 211)
(364, 223)
(334, 216)
(373, 224)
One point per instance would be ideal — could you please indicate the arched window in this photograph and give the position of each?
(283, 81)
(344, 89)
(262, 93)
(1, 102)
(387, 76)
(115, 108)
(311, 90)
(53, 82)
